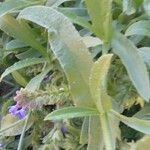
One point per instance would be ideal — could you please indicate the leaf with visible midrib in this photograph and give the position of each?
(71, 112)
(35, 82)
(145, 53)
(139, 28)
(69, 48)
(20, 30)
(133, 62)
(96, 139)
(100, 13)
(98, 82)
(12, 126)
(21, 64)
(135, 123)
(11, 5)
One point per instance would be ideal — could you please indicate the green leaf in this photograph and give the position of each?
(134, 64)
(12, 126)
(19, 78)
(135, 123)
(145, 53)
(139, 28)
(15, 44)
(71, 112)
(31, 53)
(12, 5)
(75, 18)
(90, 41)
(95, 139)
(20, 30)
(144, 113)
(128, 7)
(55, 3)
(100, 13)
(67, 45)
(147, 6)
(21, 64)
(35, 82)
(84, 131)
(98, 87)
(98, 82)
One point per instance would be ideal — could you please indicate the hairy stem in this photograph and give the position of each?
(107, 134)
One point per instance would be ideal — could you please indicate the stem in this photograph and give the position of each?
(107, 134)
(23, 131)
(105, 48)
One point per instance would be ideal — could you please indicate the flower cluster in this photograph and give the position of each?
(18, 111)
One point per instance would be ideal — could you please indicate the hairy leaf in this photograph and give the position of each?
(95, 139)
(21, 64)
(101, 17)
(147, 6)
(71, 112)
(55, 3)
(19, 78)
(12, 126)
(12, 5)
(31, 53)
(145, 53)
(91, 41)
(98, 82)
(133, 63)
(14, 44)
(129, 7)
(20, 30)
(84, 131)
(75, 18)
(135, 123)
(139, 28)
(69, 48)
(35, 82)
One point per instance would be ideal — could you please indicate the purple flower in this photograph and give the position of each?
(16, 111)
(2, 145)
(21, 113)
(13, 109)
(63, 130)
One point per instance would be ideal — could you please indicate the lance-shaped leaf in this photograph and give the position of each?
(139, 28)
(129, 7)
(95, 139)
(20, 30)
(67, 45)
(145, 53)
(21, 64)
(98, 82)
(19, 78)
(133, 62)
(98, 87)
(12, 126)
(35, 82)
(12, 5)
(100, 13)
(84, 131)
(75, 18)
(147, 6)
(135, 123)
(71, 112)
(55, 3)
(14, 44)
